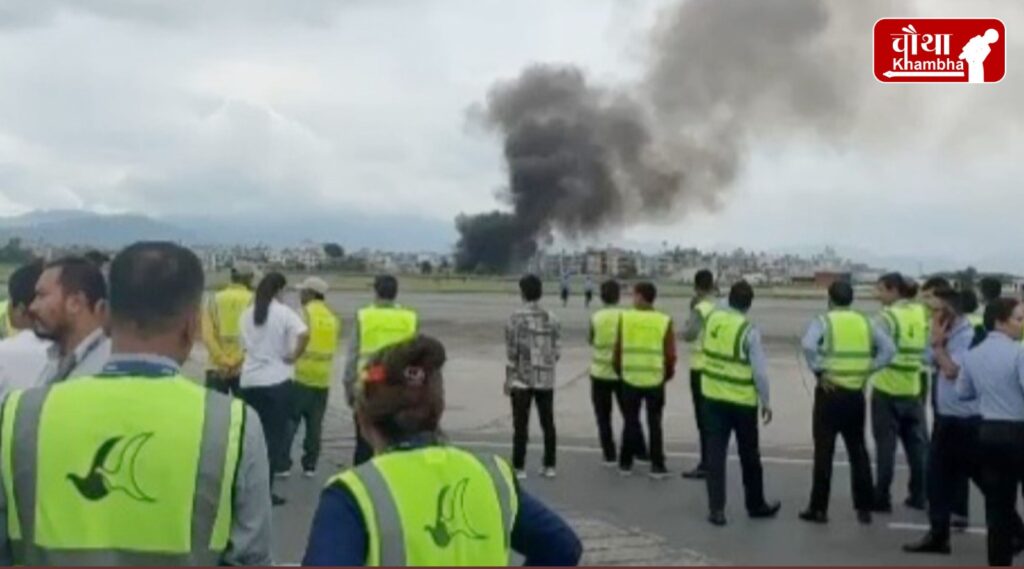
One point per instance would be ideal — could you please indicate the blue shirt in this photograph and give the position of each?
(947, 401)
(881, 344)
(993, 373)
(338, 536)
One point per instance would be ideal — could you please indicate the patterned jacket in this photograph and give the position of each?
(532, 342)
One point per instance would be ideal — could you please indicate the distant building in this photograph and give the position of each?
(825, 279)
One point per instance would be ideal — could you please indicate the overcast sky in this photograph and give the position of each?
(359, 106)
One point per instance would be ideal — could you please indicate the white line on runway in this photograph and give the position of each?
(926, 527)
(692, 455)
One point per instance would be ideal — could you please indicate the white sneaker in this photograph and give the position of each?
(610, 463)
(548, 472)
(283, 475)
(520, 475)
(625, 473)
(309, 473)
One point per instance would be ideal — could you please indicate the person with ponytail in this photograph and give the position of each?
(274, 337)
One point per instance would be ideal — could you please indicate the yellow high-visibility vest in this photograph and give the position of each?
(383, 326)
(126, 471)
(727, 375)
(643, 347)
(909, 328)
(435, 506)
(704, 308)
(605, 324)
(846, 349)
(316, 364)
(222, 331)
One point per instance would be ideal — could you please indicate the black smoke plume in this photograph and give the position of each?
(582, 157)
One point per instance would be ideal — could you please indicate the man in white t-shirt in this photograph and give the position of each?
(23, 356)
(273, 337)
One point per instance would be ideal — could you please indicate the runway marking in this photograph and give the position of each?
(691, 455)
(925, 527)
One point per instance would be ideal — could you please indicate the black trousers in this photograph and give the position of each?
(722, 419)
(899, 418)
(273, 406)
(840, 412)
(954, 456)
(697, 391)
(222, 384)
(1002, 454)
(603, 395)
(521, 402)
(633, 399)
(363, 451)
(308, 405)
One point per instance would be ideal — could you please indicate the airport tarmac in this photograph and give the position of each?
(636, 520)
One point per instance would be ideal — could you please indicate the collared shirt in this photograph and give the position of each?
(23, 359)
(882, 346)
(269, 345)
(87, 359)
(532, 346)
(249, 542)
(993, 373)
(947, 400)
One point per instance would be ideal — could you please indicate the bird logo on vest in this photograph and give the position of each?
(451, 520)
(105, 477)
(715, 331)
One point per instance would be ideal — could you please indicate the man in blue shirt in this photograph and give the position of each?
(992, 374)
(953, 452)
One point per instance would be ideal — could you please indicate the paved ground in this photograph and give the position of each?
(636, 520)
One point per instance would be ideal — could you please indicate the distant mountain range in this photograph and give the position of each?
(76, 227)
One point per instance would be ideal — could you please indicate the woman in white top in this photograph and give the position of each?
(274, 337)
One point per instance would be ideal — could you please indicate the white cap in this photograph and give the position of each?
(315, 284)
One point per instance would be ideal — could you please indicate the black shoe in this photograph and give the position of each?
(913, 504)
(959, 524)
(930, 543)
(767, 510)
(880, 507)
(642, 457)
(814, 516)
(696, 474)
(277, 500)
(717, 518)
(659, 473)
(864, 517)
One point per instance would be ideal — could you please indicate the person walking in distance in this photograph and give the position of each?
(843, 348)
(734, 382)
(137, 465)
(532, 345)
(377, 326)
(993, 374)
(420, 501)
(274, 338)
(221, 332)
(645, 358)
(313, 372)
(701, 306)
(588, 291)
(897, 409)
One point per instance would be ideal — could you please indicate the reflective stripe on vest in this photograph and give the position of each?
(909, 327)
(382, 326)
(125, 471)
(704, 308)
(727, 374)
(605, 324)
(643, 347)
(846, 348)
(435, 506)
(226, 309)
(316, 364)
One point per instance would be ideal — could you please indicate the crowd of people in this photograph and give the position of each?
(109, 455)
(933, 345)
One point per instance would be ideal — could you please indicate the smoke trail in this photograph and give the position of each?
(583, 157)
